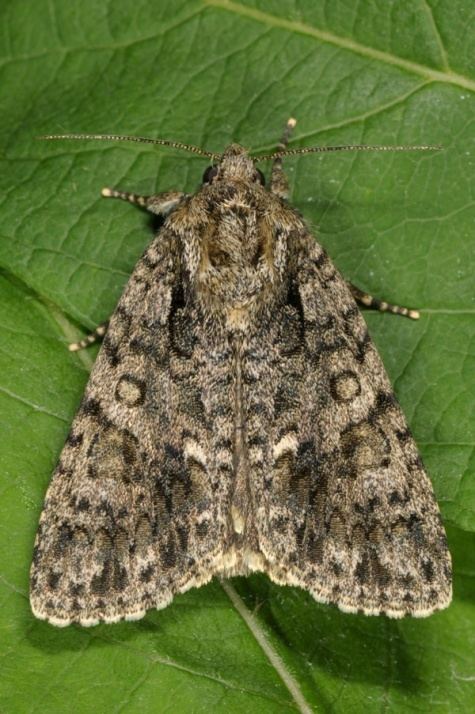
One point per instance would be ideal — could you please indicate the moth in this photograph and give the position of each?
(238, 418)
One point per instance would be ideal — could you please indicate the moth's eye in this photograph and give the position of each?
(210, 174)
(259, 176)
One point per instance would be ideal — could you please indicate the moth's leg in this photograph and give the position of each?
(278, 180)
(160, 204)
(95, 336)
(377, 304)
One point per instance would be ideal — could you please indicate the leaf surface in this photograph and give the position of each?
(401, 226)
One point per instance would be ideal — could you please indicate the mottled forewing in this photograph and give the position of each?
(129, 518)
(350, 513)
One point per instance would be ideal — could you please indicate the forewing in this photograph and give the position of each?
(129, 518)
(350, 513)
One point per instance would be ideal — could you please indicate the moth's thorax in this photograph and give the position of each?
(237, 266)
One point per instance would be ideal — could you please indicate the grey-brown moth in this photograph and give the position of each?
(238, 418)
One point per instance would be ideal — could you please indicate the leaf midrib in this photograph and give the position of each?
(346, 43)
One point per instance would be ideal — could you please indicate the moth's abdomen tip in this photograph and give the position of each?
(107, 192)
(414, 314)
(74, 346)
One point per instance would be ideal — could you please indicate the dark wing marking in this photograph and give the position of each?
(349, 513)
(130, 517)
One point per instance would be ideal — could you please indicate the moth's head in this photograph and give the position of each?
(235, 164)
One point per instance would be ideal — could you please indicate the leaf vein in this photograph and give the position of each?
(343, 42)
(272, 655)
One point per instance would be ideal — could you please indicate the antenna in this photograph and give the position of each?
(213, 156)
(346, 147)
(137, 139)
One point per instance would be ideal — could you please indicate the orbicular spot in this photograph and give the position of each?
(113, 454)
(130, 390)
(365, 446)
(345, 386)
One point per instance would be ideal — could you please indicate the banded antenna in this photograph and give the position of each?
(137, 139)
(345, 147)
(214, 156)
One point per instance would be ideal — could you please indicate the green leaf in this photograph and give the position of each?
(398, 225)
